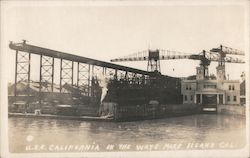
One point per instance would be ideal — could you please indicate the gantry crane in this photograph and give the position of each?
(154, 56)
(223, 51)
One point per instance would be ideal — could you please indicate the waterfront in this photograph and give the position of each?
(205, 131)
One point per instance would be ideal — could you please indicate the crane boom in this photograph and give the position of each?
(222, 51)
(154, 56)
(228, 50)
(172, 55)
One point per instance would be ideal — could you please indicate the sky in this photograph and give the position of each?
(105, 32)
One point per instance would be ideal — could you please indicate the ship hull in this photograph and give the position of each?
(149, 111)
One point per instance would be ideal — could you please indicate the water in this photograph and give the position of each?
(206, 131)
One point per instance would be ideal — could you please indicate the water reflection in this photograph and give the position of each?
(197, 128)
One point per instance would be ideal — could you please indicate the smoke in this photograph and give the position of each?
(104, 85)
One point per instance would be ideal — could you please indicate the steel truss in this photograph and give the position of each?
(87, 69)
(83, 78)
(46, 74)
(66, 73)
(22, 73)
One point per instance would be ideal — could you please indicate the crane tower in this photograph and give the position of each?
(222, 51)
(154, 61)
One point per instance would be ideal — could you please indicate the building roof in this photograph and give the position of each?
(35, 87)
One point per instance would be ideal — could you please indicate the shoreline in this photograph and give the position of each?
(49, 116)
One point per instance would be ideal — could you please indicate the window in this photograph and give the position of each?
(188, 87)
(233, 87)
(210, 86)
(191, 98)
(185, 98)
(228, 98)
(229, 87)
(235, 98)
(220, 98)
(199, 71)
(198, 98)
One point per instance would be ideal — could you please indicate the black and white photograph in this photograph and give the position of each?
(124, 78)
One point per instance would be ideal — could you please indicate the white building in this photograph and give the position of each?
(206, 91)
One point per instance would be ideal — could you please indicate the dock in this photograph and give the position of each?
(49, 116)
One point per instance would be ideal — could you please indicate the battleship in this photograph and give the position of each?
(106, 91)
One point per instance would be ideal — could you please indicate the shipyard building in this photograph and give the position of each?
(210, 90)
